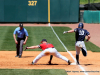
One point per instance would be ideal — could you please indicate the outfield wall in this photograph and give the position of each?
(39, 10)
(91, 16)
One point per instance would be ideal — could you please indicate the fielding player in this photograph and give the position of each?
(48, 49)
(80, 34)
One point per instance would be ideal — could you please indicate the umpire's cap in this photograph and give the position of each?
(20, 25)
(43, 40)
(80, 25)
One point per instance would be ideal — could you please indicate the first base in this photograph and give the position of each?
(73, 64)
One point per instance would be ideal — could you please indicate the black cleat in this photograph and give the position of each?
(77, 63)
(49, 62)
(19, 56)
(69, 62)
(31, 63)
(16, 56)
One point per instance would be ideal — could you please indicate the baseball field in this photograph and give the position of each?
(64, 43)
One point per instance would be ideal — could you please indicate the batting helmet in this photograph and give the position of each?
(80, 25)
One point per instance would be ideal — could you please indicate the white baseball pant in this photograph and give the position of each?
(79, 45)
(50, 51)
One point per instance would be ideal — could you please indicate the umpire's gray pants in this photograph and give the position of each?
(19, 47)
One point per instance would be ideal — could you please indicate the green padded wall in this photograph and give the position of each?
(74, 11)
(59, 10)
(38, 13)
(99, 17)
(37, 10)
(91, 16)
(15, 10)
(64, 10)
(1, 10)
(87, 17)
(95, 17)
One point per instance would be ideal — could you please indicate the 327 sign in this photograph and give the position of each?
(32, 3)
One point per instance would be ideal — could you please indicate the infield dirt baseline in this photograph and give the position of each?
(9, 61)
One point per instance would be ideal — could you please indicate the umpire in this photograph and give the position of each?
(22, 36)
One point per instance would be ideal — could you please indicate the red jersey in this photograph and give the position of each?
(45, 46)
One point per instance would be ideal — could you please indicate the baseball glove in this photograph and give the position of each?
(25, 48)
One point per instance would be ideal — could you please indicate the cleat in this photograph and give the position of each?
(31, 63)
(16, 56)
(19, 56)
(77, 63)
(69, 62)
(49, 62)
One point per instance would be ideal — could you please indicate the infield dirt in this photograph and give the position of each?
(90, 63)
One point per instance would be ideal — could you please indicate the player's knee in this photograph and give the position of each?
(77, 53)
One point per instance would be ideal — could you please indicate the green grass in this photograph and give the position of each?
(69, 40)
(36, 34)
(32, 72)
(91, 1)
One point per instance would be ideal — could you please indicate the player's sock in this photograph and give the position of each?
(51, 57)
(77, 59)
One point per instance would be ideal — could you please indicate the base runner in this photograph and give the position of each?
(48, 49)
(80, 35)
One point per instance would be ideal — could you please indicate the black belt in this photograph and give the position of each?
(50, 47)
(20, 38)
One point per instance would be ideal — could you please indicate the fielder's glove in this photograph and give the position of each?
(65, 32)
(25, 48)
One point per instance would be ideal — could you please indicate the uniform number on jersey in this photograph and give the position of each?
(81, 32)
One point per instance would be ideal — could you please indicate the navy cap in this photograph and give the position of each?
(43, 40)
(20, 25)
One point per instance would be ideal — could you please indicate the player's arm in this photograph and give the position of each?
(14, 35)
(15, 38)
(26, 34)
(32, 47)
(88, 38)
(70, 31)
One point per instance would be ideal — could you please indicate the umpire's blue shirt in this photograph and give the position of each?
(20, 33)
